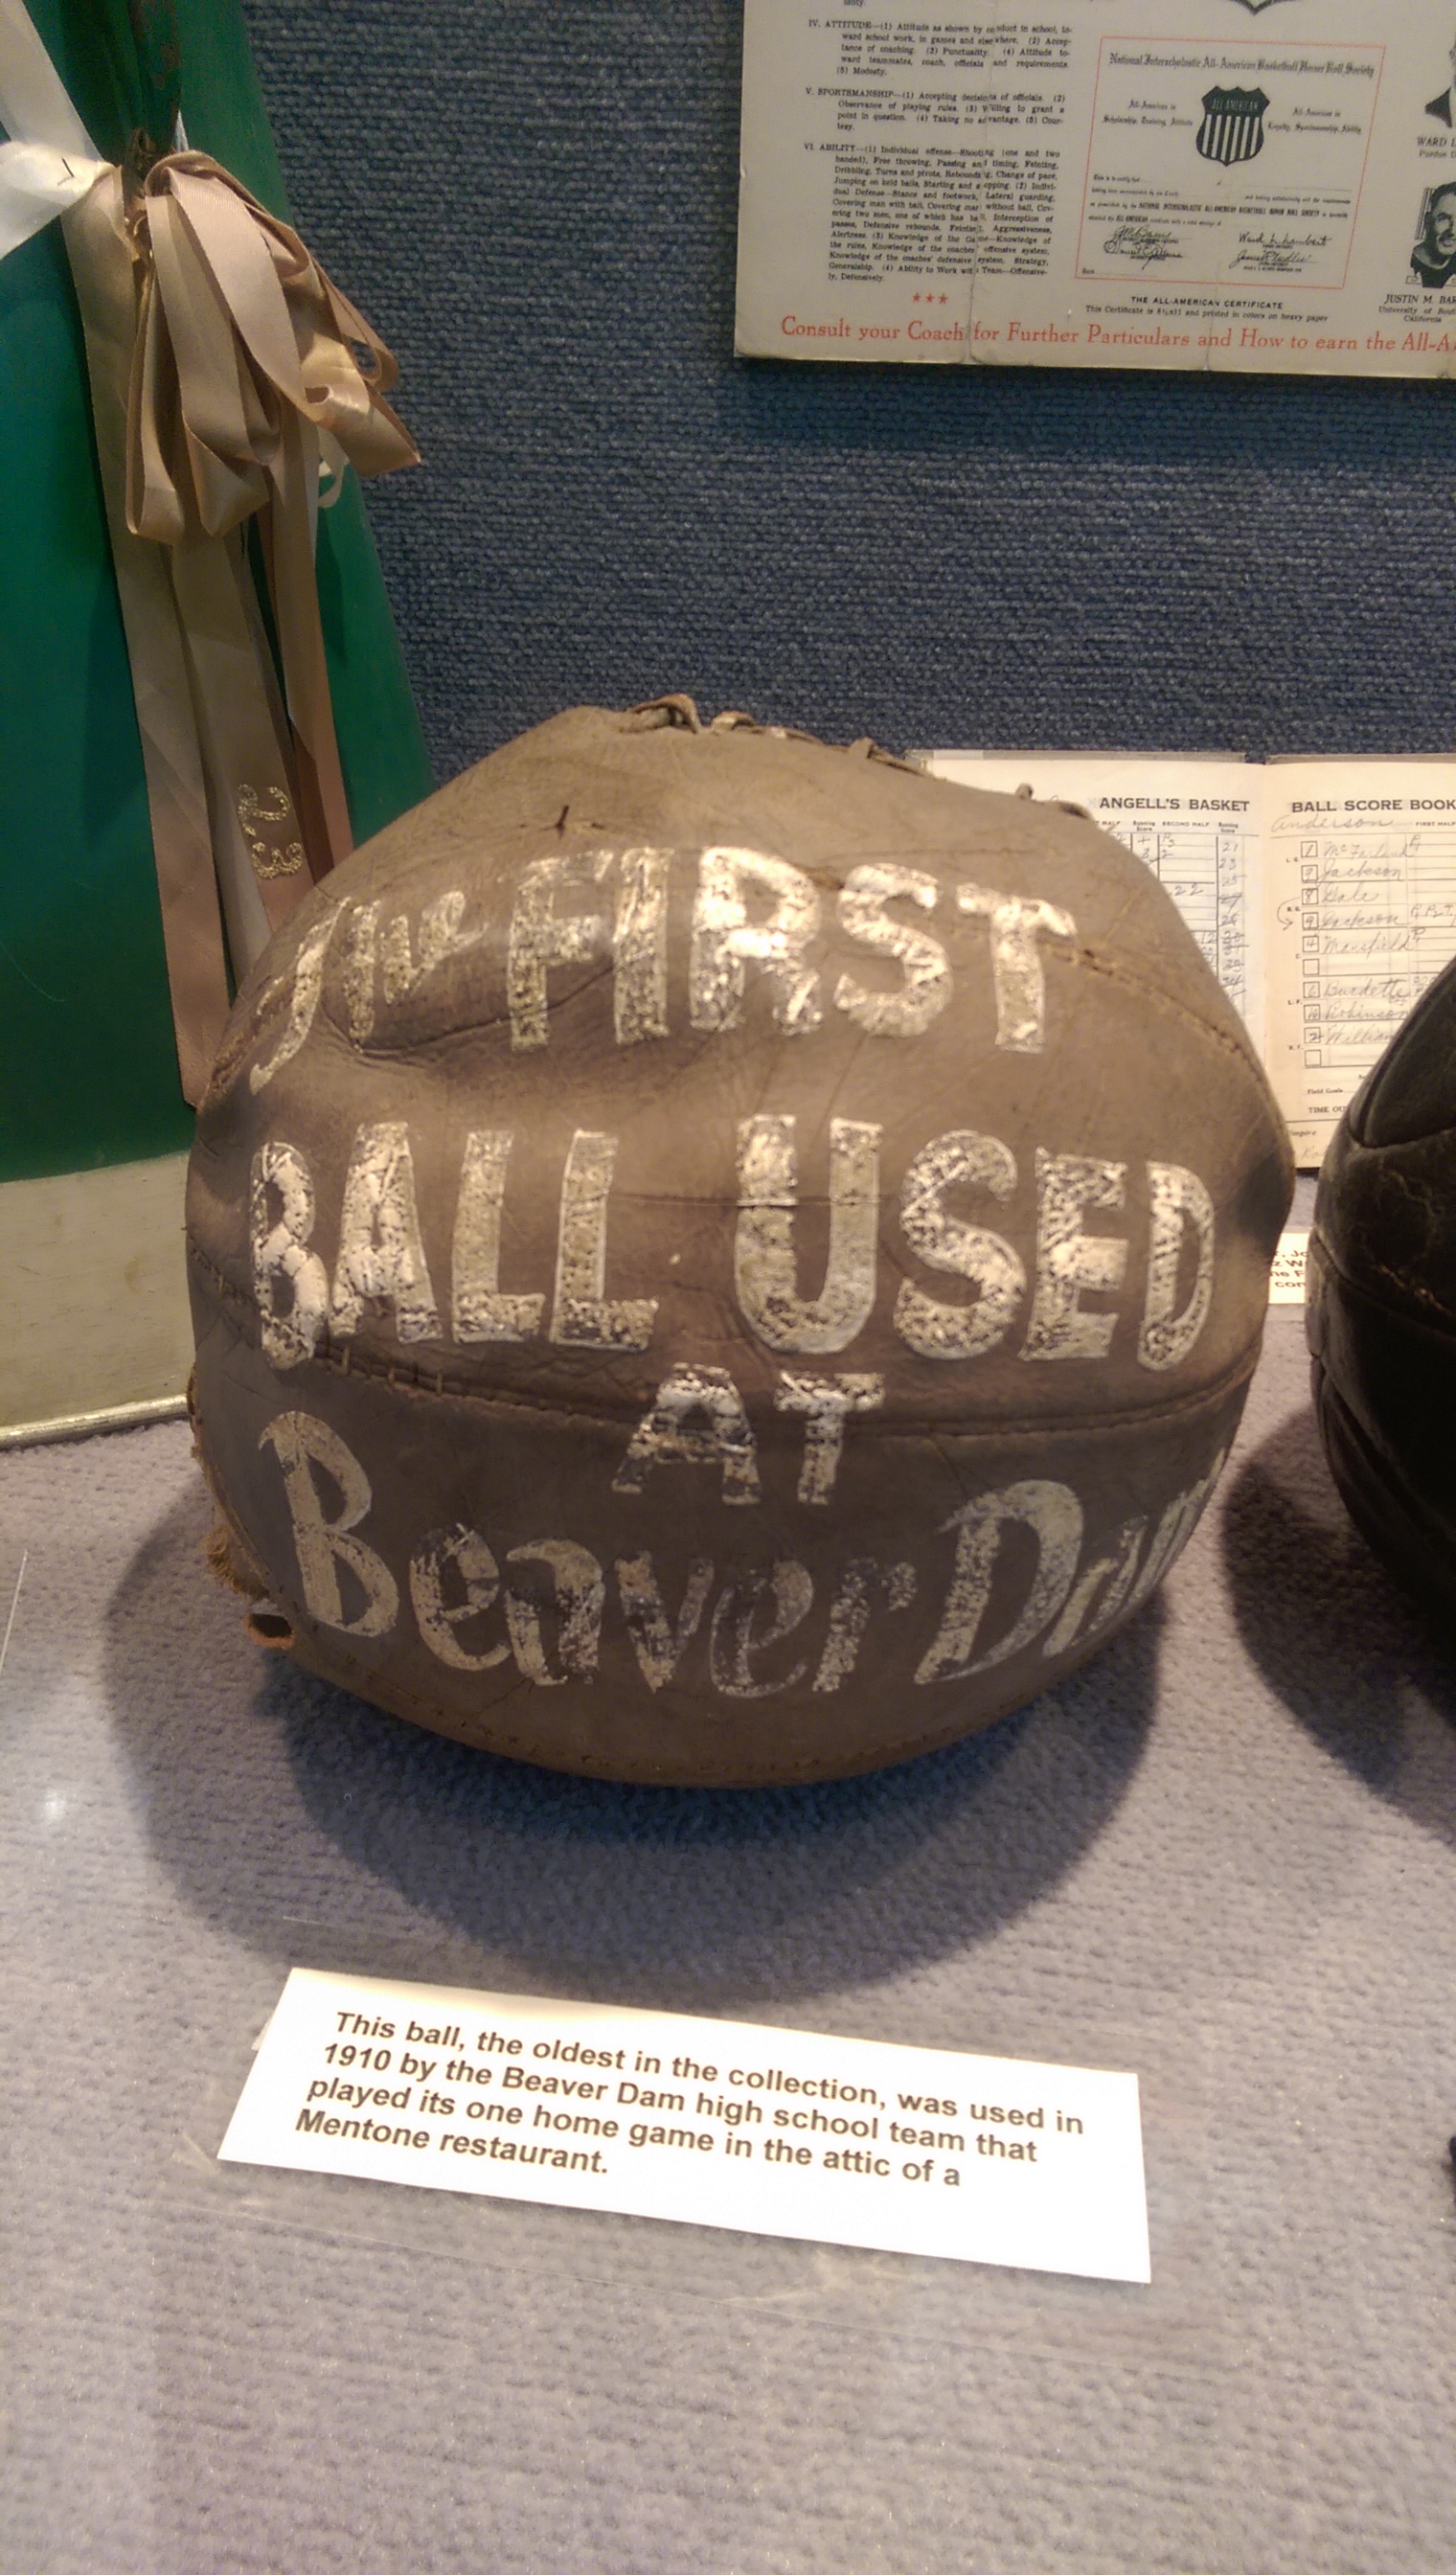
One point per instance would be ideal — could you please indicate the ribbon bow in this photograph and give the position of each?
(246, 360)
(227, 375)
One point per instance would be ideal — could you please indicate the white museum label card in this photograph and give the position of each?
(1286, 1275)
(711, 2123)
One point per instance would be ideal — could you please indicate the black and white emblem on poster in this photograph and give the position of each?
(1233, 124)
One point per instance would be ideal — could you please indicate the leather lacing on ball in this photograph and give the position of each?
(678, 709)
(1026, 794)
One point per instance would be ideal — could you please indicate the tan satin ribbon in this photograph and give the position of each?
(225, 367)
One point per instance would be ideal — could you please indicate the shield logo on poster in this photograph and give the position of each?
(1233, 124)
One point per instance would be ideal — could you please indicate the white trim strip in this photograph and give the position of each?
(81, 1425)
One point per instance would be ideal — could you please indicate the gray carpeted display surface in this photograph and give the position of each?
(1224, 1856)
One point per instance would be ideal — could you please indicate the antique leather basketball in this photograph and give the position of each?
(717, 1259)
(1382, 1301)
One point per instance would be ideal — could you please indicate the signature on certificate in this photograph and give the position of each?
(1142, 242)
(1277, 254)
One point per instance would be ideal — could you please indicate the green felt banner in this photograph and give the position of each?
(88, 1072)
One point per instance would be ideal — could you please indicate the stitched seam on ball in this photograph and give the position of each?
(1097, 960)
(1403, 1287)
(408, 1378)
(1117, 972)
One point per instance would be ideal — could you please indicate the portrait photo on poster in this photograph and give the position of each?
(1433, 260)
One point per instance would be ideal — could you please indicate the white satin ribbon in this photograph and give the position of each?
(225, 368)
(50, 161)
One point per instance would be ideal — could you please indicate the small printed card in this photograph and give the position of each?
(712, 2122)
(1286, 1277)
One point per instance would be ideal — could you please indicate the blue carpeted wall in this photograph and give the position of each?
(536, 201)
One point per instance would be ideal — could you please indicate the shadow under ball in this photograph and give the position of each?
(1381, 1303)
(718, 1260)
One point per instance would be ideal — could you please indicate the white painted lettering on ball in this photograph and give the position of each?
(581, 1314)
(302, 1442)
(1172, 1533)
(826, 1403)
(541, 936)
(381, 1254)
(1016, 925)
(578, 1593)
(927, 979)
(764, 1266)
(281, 1256)
(1079, 1625)
(303, 982)
(725, 942)
(1069, 1261)
(478, 1309)
(1054, 1516)
(440, 935)
(733, 1644)
(640, 946)
(360, 960)
(961, 1159)
(659, 1644)
(697, 1418)
(1176, 1199)
(854, 1599)
(1126, 1588)
(463, 1553)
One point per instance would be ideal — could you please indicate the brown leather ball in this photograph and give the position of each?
(1380, 1305)
(716, 1259)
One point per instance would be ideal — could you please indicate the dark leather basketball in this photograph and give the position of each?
(1382, 1301)
(716, 1259)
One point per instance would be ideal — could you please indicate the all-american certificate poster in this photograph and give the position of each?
(1250, 184)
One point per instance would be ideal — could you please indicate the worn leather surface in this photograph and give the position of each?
(848, 1658)
(1381, 1307)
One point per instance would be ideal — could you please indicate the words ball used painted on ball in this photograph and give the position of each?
(721, 1260)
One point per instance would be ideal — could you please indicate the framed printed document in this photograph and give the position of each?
(1321, 892)
(1257, 184)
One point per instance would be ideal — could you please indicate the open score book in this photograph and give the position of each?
(1321, 892)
